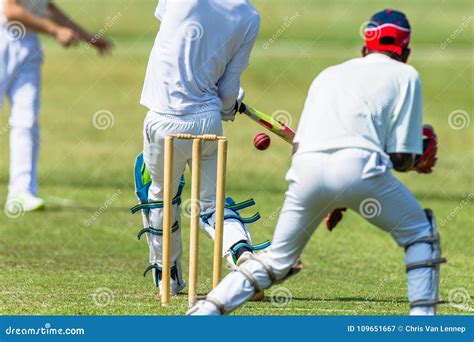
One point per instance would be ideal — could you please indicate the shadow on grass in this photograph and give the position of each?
(83, 208)
(345, 299)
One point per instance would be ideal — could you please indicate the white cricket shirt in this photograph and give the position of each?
(200, 52)
(373, 103)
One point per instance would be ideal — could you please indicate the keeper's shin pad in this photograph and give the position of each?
(423, 259)
(241, 285)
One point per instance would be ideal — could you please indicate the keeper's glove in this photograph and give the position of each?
(230, 116)
(426, 162)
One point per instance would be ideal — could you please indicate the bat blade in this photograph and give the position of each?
(275, 126)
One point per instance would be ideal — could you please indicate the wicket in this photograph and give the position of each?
(195, 212)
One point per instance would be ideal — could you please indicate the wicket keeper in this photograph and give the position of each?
(361, 119)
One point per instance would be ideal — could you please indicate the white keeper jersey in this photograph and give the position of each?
(373, 103)
(198, 41)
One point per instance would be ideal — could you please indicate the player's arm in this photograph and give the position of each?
(56, 15)
(229, 89)
(161, 9)
(412, 146)
(231, 94)
(421, 163)
(405, 143)
(14, 11)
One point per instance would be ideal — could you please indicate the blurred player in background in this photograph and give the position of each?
(192, 83)
(361, 119)
(21, 57)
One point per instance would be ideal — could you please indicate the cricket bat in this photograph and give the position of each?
(271, 124)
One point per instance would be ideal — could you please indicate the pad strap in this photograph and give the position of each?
(159, 204)
(174, 269)
(250, 278)
(217, 304)
(153, 205)
(257, 247)
(267, 268)
(426, 263)
(242, 205)
(152, 267)
(254, 218)
(254, 248)
(428, 239)
(157, 232)
(236, 207)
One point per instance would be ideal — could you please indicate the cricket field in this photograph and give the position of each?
(81, 255)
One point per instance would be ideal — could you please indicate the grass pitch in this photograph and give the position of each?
(81, 255)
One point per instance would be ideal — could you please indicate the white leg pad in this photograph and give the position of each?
(234, 231)
(423, 259)
(155, 241)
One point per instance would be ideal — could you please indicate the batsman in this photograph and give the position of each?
(192, 84)
(361, 120)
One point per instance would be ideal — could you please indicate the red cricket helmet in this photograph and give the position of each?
(388, 31)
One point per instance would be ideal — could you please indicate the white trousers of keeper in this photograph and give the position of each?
(156, 128)
(319, 183)
(20, 78)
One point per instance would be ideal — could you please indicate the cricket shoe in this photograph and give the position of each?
(204, 308)
(177, 284)
(423, 311)
(175, 287)
(23, 203)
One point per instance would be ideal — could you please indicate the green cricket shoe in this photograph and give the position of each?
(23, 203)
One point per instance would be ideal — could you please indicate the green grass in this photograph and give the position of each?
(53, 263)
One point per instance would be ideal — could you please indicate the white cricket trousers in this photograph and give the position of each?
(20, 78)
(319, 183)
(156, 128)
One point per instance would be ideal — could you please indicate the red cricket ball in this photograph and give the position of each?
(261, 141)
